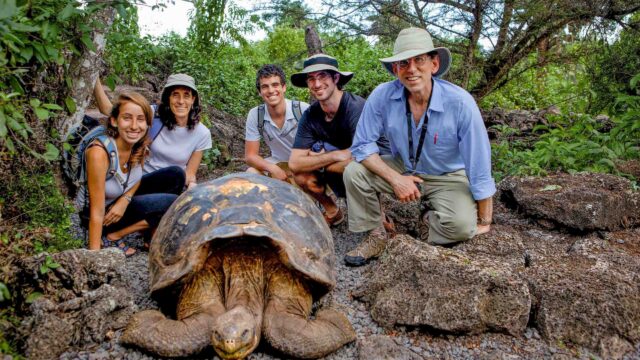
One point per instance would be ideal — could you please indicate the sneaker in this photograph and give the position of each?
(334, 220)
(371, 247)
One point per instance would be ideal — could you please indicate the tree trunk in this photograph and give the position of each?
(312, 39)
(85, 69)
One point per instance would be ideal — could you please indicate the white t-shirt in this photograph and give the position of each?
(279, 141)
(174, 147)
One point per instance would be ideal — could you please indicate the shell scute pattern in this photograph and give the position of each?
(249, 206)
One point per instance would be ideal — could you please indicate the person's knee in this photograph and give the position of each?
(462, 228)
(355, 175)
(308, 182)
(178, 175)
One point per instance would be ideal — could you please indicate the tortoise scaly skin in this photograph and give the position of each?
(247, 256)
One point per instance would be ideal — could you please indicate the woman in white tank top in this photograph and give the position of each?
(119, 205)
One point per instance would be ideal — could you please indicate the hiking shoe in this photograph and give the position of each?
(423, 227)
(370, 247)
(334, 220)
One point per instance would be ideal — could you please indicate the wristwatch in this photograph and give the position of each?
(126, 197)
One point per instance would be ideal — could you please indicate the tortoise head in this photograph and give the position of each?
(236, 333)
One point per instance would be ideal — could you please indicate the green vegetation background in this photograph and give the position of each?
(38, 39)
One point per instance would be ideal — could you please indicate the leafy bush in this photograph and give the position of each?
(576, 143)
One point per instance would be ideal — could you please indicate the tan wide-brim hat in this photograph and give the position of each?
(413, 42)
(319, 62)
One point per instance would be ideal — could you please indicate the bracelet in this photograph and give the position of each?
(484, 222)
(127, 197)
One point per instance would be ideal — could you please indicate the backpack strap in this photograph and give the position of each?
(261, 110)
(156, 126)
(109, 146)
(297, 109)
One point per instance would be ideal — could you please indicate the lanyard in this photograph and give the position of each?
(423, 132)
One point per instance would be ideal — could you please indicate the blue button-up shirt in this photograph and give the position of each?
(456, 136)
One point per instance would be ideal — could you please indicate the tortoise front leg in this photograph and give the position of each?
(287, 326)
(199, 304)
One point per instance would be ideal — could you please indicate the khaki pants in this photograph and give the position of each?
(452, 214)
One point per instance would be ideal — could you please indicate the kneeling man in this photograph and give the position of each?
(440, 151)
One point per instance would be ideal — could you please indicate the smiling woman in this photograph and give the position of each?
(179, 139)
(117, 203)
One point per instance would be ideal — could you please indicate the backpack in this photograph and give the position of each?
(156, 124)
(73, 155)
(297, 114)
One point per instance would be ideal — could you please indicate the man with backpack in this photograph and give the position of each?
(275, 121)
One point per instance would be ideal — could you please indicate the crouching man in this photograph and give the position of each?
(440, 151)
(321, 148)
(275, 121)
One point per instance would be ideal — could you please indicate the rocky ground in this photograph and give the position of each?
(579, 289)
(557, 278)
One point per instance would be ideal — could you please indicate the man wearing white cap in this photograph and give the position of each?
(440, 151)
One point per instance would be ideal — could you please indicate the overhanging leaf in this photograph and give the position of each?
(41, 113)
(71, 104)
(33, 297)
(51, 155)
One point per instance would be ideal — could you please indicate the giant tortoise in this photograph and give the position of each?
(246, 256)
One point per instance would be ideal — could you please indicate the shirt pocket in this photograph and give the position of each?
(441, 144)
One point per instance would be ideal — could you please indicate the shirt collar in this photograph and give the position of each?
(436, 98)
(288, 114)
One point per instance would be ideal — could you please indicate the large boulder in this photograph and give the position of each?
(584, 202)
(72, 299)
(502, 244)
(589, 296)
(422, 285)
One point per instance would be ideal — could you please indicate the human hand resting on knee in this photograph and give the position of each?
(405, 188)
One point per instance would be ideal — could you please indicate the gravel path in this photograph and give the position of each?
(421, 343)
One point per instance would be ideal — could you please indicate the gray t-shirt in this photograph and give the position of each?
(113, 187)
(279, 141)
(174, 147)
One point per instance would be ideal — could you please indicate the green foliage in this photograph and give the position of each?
(48, 265)
(574, 143)
(612, 66)
(566, 86)
(43, 209)
(36, 35)
(362, 58)
(5, 295)
(128, 55)
(288, 13)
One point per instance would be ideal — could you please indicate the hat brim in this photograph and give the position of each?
(300, 79)
(443, 53)
(183, 84)
(179, 83)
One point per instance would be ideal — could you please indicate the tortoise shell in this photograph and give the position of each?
(242, 206)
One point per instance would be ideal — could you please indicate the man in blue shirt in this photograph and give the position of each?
(440, 151)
